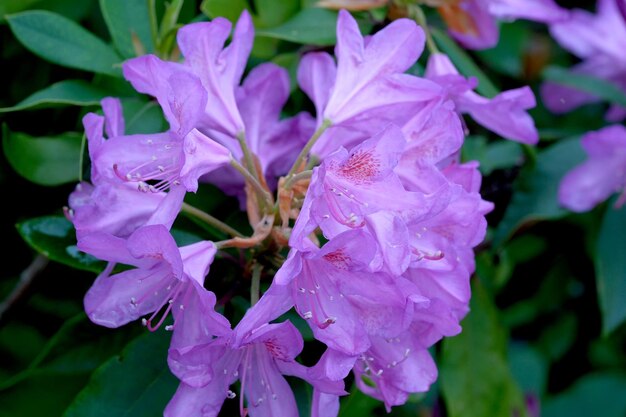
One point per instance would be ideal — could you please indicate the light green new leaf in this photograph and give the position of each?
(611, 268)
(475, 378)
(63, 93)
(64, 42)
(45, 160)
(136, 383)
(125, 18)
(53, 236)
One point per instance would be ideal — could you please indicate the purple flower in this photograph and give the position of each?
(229, 112)
(115, 208)
(394, 368)
(601, 175)
(367, 88)
(599, 40)
(259, 360)
(505, 114)
(349, 186)
(166, 279)
(473, 22)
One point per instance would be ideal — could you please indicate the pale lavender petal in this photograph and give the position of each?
(155, 242)
(114, 119)
(546, 11)
(505, 114)
(316, 76)
(195, 318)
(390, 51)
(115, 300)
(202, 155)
(590, 183)
(282, 340)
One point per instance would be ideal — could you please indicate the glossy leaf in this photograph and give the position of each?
(475, 377)
(272, 13)
(230, 9)
(64, 42)
(310, 26)
(611, 268)
(136, 383)
(46, 160)
(53, 236)
(535, 190)
(126, 19)
(63, 93)
(593, 395)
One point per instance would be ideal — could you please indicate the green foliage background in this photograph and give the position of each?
(546, 327)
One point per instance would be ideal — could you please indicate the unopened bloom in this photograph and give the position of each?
(505, 114)
(599, 40)
(601, 175)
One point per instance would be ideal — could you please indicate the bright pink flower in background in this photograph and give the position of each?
(601, 175)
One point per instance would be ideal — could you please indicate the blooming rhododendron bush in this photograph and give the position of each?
(281, 208)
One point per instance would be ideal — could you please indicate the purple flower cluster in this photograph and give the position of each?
(373, 210)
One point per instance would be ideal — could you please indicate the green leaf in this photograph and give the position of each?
(64, 42)
(63, 93)
(611, 268)
(507, 56)
(230, 9)
(464, 63)
(271, 13)
(492, 156)
(358, 404)
(529, 368)
(41, 395)
(310, 26)
(53, 236)
(78, 347)
(143, 116)
(592, 85)
(46, 160)
(125, 18)
(475, 378)
(8, 7)
(536, 188)
(593, 395)
(136, 383)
